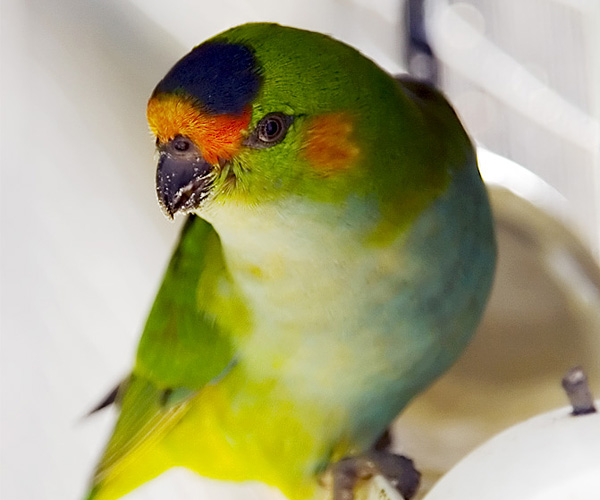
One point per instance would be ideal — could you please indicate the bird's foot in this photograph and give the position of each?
(398, 470)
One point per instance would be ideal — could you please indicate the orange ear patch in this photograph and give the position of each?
(217, 136)
(328, 144)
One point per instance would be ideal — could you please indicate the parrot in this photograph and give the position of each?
(336, 258)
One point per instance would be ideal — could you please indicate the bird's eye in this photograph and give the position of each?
(271, 130)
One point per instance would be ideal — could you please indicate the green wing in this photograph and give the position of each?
(186, 343)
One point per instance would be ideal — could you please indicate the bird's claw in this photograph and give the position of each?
(397, 469)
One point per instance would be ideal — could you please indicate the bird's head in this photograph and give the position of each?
(263, 111)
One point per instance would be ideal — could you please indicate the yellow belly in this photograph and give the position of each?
(240, 430)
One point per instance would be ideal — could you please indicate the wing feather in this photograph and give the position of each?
(184, 346)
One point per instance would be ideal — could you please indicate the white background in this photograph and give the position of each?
(83, 243)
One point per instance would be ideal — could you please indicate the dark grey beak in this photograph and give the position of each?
(183, 177)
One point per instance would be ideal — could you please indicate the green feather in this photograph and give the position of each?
(408, 137)
(183, 345)
(183, 348)
(143, 421)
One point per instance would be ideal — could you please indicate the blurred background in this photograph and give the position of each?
(83, 243)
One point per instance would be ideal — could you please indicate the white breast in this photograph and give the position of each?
(335, 315)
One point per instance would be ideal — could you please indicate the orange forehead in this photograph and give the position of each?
(328, 144)
(217, 136)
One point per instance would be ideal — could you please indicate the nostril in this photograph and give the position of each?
(181, 144)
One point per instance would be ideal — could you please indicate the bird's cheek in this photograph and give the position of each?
(329, 145)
